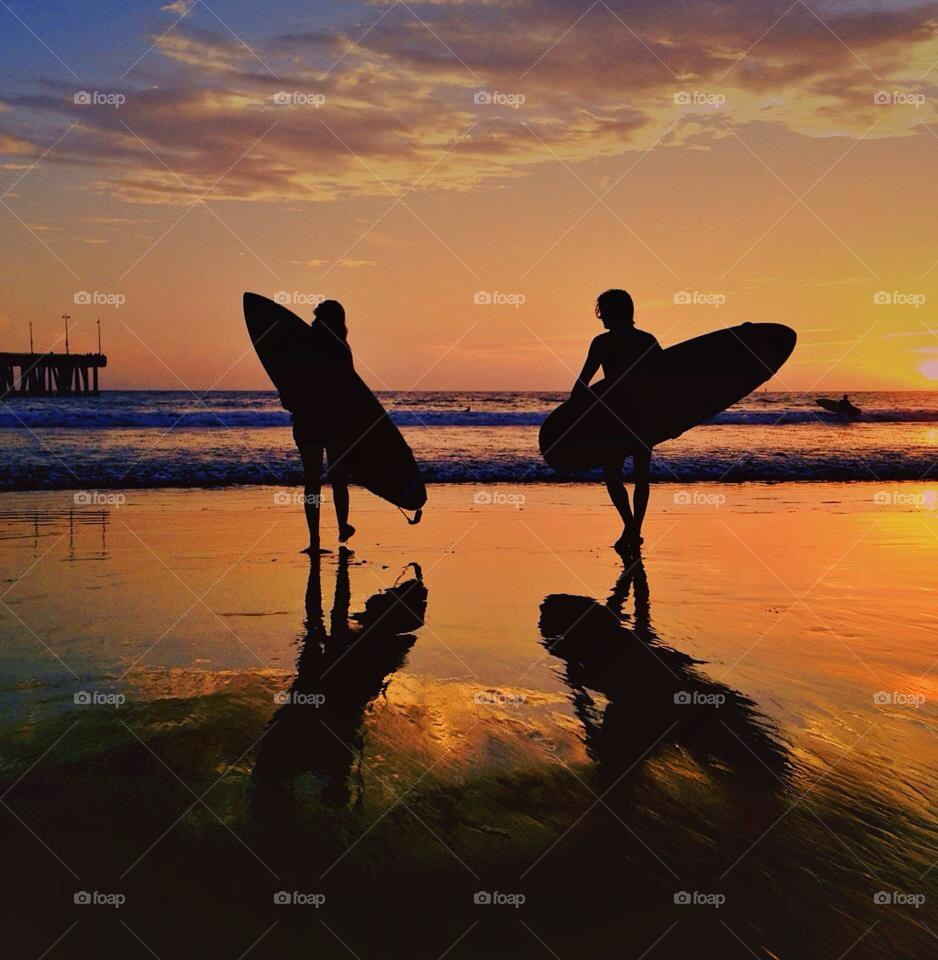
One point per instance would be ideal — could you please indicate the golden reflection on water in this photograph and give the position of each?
(532, 679)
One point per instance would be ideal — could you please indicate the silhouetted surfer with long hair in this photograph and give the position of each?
(317, 416)
(619, 352)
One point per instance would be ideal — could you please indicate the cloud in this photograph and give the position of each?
(924, 332)
(347, 262)
(178, 6)
(111, 222)
(15, 146)
(399, 107)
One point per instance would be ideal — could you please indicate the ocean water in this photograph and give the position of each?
(180, 439)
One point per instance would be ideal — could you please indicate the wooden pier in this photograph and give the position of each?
(49, 374)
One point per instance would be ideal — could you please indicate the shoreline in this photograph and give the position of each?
(559, 481)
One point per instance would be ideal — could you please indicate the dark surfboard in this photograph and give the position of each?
(366, 441)
(669, 393)
(845, 410)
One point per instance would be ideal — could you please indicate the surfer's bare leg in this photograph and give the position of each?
(641, 466)
(612, 474)
(312, 484)
(339, 480)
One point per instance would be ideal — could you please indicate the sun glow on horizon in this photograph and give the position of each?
(785, 167)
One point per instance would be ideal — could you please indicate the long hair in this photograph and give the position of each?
(330, 315)
(616, 309)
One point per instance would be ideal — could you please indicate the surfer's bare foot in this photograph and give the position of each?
(346, 533)
(629, 544)
(313, 549)
(624, 543)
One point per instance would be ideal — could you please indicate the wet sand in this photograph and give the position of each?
(507, 715)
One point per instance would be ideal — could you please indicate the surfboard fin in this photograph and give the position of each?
(416, 519)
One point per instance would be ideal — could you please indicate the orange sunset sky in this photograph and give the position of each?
(777, 183)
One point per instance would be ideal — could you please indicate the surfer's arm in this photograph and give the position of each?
(590, 369)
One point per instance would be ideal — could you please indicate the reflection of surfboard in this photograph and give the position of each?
(847, 410)
(368, 444)
(672, 392)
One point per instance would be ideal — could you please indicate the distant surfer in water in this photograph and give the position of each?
(619, 352)
(316, 418)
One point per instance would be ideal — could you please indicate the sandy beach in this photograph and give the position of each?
(486, 702)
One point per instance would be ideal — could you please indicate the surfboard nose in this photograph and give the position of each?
(785, 339)
(773, 343)
(252, 301)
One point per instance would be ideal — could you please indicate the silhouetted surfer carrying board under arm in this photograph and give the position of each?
(334, 412)
(620, 352)
(650, 395)
(315, 431)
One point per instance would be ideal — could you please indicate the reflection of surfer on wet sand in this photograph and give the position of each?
(650, 688)
(339, 672)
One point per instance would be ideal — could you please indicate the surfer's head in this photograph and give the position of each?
(615, 309)
(331, 314)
